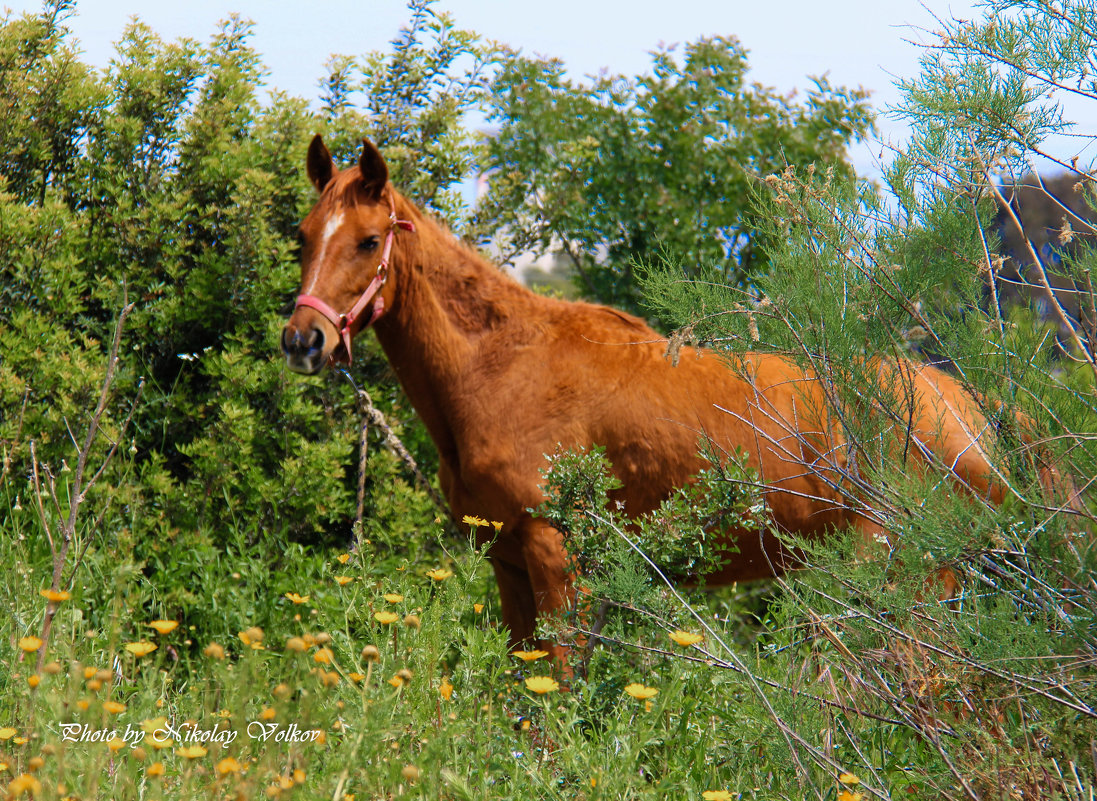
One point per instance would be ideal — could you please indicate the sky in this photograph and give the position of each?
(867, 43)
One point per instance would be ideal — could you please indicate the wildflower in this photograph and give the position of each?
(153, 725)
(529, 656)
(477, 608)
(297, 599)
(30, 644)
(268, 713)
(410, 773)
(7, 732)
(541, 684)
(252, 636)
(343, 581)
(474, 521)
(155, 769)
(405, 674)
(397, 682)
(323, 656)
(56, 596)
(95, 685)
(356, 677)
(497, 525)
(53, 668)
(116, 743)
(446, 689)
(139, 754)
(164, 626)
(24, 783)
(393, 597)
(36, 763)
(141, 648)
(296, 644)
(214, 651)
(385, 618)
(686, 638)
(299, 776)
(370, 653)
(848, 778)
(411, 621)
(282, 690)
(343, 558)
(228, 765)
(716, 795)
(640, 691)
(34, 680)
(114, 707)
(191, 752)
(847, 795)
(439, 574)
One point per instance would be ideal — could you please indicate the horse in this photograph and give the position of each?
(501, 376)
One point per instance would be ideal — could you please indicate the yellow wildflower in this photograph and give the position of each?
(55, 595)
(34, 680)
(296, 644)
(477, 608)
(24, 783)
(7, 732)
(141, 648)
(439, 574)
(191, 752)
(251, 636)
(214, 651)
(411, 621)
(847, 795)
(686, 638)
(393, 597)
(385, 618)
(297, 599)
(268, 713)
(446, 689)
(541, 684)
(343, 558)
(343, 581)
(474, 521)
(114, 707)
(716, 795)
(323, 656)
(228, 765)
(30, 644)
(640, 691)
(497, 525)
(848, 778)
(116, 743)
(164, 626)
(155, 769)
(529, 656)
(356, 677)
(397, 682)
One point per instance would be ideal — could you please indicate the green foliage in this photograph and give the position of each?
(625, 169)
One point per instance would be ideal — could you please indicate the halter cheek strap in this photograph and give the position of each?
(344, 322)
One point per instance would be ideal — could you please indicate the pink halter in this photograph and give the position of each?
(343, 322)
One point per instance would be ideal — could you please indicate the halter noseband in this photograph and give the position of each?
(343, 322)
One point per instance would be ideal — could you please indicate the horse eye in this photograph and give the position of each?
(369, 243)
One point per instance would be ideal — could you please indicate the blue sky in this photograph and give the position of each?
(857, 43)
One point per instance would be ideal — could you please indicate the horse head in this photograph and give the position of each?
(346, 242)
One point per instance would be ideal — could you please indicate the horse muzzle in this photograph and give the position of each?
(304, 350)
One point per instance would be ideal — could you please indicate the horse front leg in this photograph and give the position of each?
(547, 567)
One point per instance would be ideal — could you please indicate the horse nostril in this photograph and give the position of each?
(315, 339)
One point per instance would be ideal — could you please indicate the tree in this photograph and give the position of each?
(619, 171)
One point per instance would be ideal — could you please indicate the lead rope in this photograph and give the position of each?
(372, 415)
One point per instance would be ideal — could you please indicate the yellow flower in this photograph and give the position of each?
(296, 644)
(116, 743)
(393, 597)
(268, 713)
(343, 581)
(153, 725)
(716, 795)
(141, 648)
(477, 608)
(30, 644)
(214, 651)
(191, 752)
(640, 691)
(297, 599)
(356, 677)
(7, 733)
(343, 558)
(846, 795)
(686, 638)
(848, 778)
(497, 525)
(529, 656)
(474, 521)
(323, 656)
(251, 636)
(34, 680)
(24, 783)
(439, 574)
(155, 769)
(446, 689)
(164, 626)
(396, 682)
(541, 684)
(114, 707)
(385, 618)
(55, 595)
(228, 765)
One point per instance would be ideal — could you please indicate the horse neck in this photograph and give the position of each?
(446, 298)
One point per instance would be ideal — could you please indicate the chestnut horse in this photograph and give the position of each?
(502, 376)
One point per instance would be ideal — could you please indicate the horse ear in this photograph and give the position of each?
(319, 165)
(375, 173)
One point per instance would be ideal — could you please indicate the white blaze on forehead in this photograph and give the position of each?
(335, 221)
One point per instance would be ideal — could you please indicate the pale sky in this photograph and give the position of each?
(856, 42)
